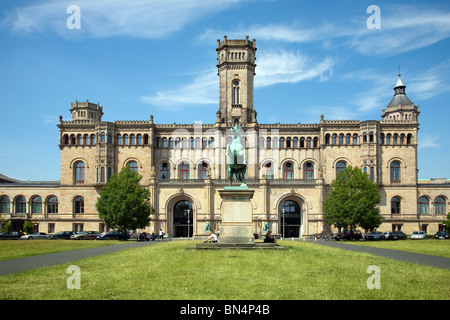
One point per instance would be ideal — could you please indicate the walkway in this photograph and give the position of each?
(50, 259)
(424, 259)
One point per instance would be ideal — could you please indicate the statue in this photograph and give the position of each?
(236, 159)
(208, 226)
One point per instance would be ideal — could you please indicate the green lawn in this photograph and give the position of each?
(429, 246)
(12, 249)
(168, 271)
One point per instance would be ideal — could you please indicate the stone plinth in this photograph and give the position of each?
(237, 216)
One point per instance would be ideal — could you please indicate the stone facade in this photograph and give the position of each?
(290, 166)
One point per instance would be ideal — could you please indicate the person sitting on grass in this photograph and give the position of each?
(212, 237)
(269, 238)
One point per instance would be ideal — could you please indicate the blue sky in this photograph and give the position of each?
(158, 57)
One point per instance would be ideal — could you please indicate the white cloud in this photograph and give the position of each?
(203, 90)
(428, 141)
(290, 67)
(273, 68)
(106, 18)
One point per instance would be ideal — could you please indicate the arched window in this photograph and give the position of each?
(139, 139)
(133, 166)
(52, 205)
(395, 205)
(371, 135)
(211, 143)
(79, 172)
(355, 138)
(92, 139)
(261, 143)
(364, 137)
(288, 142)
(290, 219)
(281, 142)
(80, 140)
(78, 205)
(395, 139)
(348, 138)
(203, 170)
(125, 139)
(36, 204)
(409, 138)
(308, 142)
(102, 137)
(197, 143)
(269, 170)
(4, 204)
(268, 145)
(382, 138)
(302, 142)
(327, 139)
(439, 206)
(341, 139)
(171, 143)
(132, 139)
(164, 142)
(395, 171)
(164, 171)
(423, 205)
(183, 218)
(288, 171)
(184, 171)
(340, 166)
(109, 137)
(66, 139)
(388, 138)
(235, 97)
(308, 171)
(21, 205)
(184, 142)
(119, 139)
(86, 139)
(315, 142)
(333, 138)
(205, 143)
(295, 143)
(275, 143)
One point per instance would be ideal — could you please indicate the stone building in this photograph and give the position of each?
(290, 166)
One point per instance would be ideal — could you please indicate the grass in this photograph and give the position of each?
(12, 249)
(167, 271)
(428, 246)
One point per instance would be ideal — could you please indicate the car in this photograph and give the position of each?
(85, 235)
(62, 235)
(11, 235)
(395, 235)
(36, 235)
(113, 235)
(348, 235)
(375, 235)
(418, 235)
(441, 235)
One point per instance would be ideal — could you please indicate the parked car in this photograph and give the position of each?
(375, 235)
(11, 235)
(347, 235)
(418, 235)
(36, 235)
(85, 235)
(441, 235)
(113, 235)
(62, 235)
(395, 235)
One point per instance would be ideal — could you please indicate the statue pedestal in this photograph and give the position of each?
(237, 216)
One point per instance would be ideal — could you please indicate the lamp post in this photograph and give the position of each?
(189, 221)
(283, 210)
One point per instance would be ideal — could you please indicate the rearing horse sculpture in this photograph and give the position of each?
(236, 159)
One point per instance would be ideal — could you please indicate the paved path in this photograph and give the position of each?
(425, 259)
(50, 259)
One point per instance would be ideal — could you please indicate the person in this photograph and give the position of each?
(161, 234)
(269, 237)
(212, 237)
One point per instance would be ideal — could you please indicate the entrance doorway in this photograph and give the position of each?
(290, 219)
(183, 222)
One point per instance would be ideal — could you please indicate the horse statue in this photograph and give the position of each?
(236, 159)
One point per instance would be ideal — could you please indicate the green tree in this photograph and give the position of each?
(123, 203)
(352, 201)
(28, 227)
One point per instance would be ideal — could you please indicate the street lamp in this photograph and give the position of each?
(283, 210)
(189, 221)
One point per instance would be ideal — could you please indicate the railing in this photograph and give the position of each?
(227, 181)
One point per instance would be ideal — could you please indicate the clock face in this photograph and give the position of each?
(236, 83)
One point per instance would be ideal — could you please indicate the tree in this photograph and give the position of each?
(123, 203)
(352, 201)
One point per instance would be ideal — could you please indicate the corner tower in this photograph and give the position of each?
(400, 107)
(236, 70)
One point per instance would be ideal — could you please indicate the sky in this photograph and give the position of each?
(142, 57)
